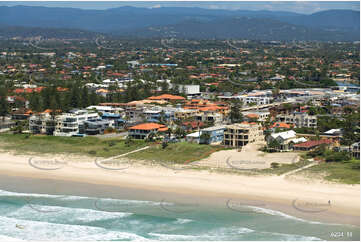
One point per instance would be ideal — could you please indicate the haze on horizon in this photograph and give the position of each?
(304, 7)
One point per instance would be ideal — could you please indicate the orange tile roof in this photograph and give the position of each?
(252, 115)
(62, 89)
(166, 96)
(313, 143)
(147, 126)
(281, 125)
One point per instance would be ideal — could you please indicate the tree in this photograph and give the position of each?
(274, 144)
(204, 138)
(350, 128)
(84, 97)
(179, 132)
(4, 105)
(235, 114)
(164, 145)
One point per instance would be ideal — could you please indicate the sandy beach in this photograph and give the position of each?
(76, 175)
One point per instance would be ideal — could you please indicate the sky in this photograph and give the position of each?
(305, 7)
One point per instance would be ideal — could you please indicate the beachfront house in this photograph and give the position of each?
(143, 131)
(212, 135)
(284, 140)
(312, 144)
(193, 137)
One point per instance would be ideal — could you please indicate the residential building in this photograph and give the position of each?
(240, 134)
(72, 123)
(93, 127)
(167, 97)
(42, 123)
(189, 89)
(142, 131)
(192, 125)
(298, 119)
(312, 144)
(355, 149)
(258, 100)
(115, 119)
(215, 135)
(210, 116)
(193, 137)
(285, 139)
(182, 113)
(280, 125)
(260, 116)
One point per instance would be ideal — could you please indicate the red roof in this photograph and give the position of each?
(252, 115)
(28, 90)
(166, 97)
(313, 143)
(281, 125)
(147, 126)
(193, 124)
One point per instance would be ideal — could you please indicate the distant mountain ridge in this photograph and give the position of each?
(333, 25)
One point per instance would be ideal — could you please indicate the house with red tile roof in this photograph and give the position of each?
(142, 131)
(312, 144)
(280, 125)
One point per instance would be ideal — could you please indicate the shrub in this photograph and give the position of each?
(332, 156)
(275, 165)
(92, 152)
(355, 164)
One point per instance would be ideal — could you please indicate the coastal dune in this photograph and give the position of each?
(304, 198)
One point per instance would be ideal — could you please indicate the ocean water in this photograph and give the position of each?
(55, 217)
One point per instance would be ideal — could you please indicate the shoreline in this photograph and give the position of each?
(140, 182)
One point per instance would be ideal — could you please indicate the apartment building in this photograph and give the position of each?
(72, 123)
(257, 100)
(210, 116)
(94, 127)
(298, 119)
(257, 115)
(241, 134)
(182, 113)
(42, 123)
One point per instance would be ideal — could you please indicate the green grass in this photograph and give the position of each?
(22, 143)
(176, 153)
(343, 172)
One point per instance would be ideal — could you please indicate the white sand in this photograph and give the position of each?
(345, 198)
(249, 157)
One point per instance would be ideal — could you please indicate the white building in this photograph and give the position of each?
(257, 100)
(286, 139)
(189, 89)
(69, 124)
